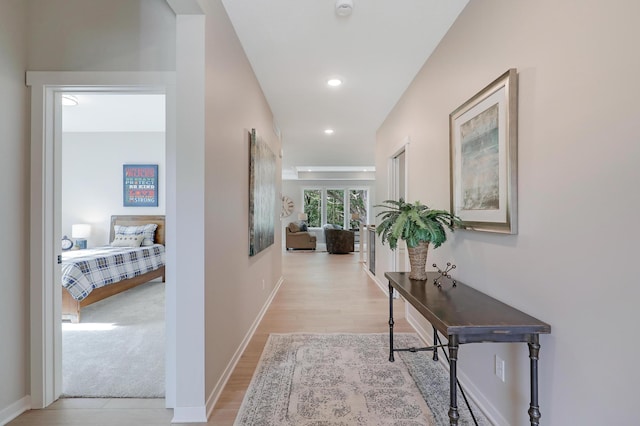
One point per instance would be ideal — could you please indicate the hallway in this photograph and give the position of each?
(321, 293)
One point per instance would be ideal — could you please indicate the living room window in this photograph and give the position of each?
(346, 207)
(358, 202)
(313, 207)
(335, 206)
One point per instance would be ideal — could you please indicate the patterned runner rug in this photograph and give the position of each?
(347, 379)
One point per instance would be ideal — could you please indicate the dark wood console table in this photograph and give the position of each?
(466, 315)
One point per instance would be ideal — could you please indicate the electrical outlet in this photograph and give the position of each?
(499, 367)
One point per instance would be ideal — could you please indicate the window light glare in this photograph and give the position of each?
(334, 82)
(96, 326)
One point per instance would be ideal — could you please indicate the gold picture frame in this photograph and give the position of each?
(483, 137)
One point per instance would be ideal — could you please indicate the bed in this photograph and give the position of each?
(89, 276)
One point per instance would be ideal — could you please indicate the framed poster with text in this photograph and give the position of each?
(140, 185)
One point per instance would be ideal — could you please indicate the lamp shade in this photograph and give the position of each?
(80, 230)
(355, 216)
(302, 216)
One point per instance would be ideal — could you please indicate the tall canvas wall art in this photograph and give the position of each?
(262, 195)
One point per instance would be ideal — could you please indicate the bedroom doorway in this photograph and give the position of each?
(184, 86)
(185, 92)
(103, 134)
(45, 221)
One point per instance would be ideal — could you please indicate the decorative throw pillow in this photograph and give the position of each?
(148, 232)
(122, 240)
(293, 227)
(302, 225)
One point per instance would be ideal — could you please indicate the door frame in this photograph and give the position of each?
(46, 134)
(393, 194)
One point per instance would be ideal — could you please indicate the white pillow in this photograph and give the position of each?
(148, 231)
(122, 240)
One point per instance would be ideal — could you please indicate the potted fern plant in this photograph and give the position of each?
(419, 226)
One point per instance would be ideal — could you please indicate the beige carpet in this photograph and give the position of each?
(117, 350)
(346, 379)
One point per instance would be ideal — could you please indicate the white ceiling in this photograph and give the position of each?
(295, 46)
(115, 112)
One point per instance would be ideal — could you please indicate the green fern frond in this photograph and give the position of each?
(413, 223)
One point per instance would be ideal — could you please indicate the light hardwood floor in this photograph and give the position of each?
(321, 293)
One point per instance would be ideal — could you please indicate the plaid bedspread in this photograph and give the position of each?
(85, 270)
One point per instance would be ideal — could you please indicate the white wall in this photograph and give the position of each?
(92, 177)
(572, 263)
(237, 286)
(14, 211)
(101, 35)
(127, 35)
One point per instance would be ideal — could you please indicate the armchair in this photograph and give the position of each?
(339, 241)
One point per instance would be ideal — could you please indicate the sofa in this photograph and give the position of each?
(339, 241)
(298, 237)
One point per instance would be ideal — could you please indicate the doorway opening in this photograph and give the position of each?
(397, 190)
(114, 347)
(47, 89)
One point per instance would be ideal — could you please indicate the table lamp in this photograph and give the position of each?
(81, 232)
(355, 217)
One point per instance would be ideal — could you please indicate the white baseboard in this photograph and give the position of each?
(189, 415)
(217, 390)
(14, 410)
(383, 286)
(471, 390)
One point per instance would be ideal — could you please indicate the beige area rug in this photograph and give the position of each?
(347, 379)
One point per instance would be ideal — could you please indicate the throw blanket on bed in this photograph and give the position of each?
(84, 270)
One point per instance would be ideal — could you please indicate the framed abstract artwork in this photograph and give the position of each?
(140, 185)
(483, 137)
(262, 195)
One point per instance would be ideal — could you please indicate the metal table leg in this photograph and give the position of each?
(534, 408)
(391, 358)
(436, 343)
(453, 380)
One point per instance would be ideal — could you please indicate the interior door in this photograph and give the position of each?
(54, 286)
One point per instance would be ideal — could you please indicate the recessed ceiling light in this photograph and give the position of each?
(344, 7)
(328, 131)
(334, 82)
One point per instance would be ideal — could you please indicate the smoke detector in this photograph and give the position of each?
(344, 7)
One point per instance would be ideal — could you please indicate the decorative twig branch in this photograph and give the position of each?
(444, 274)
